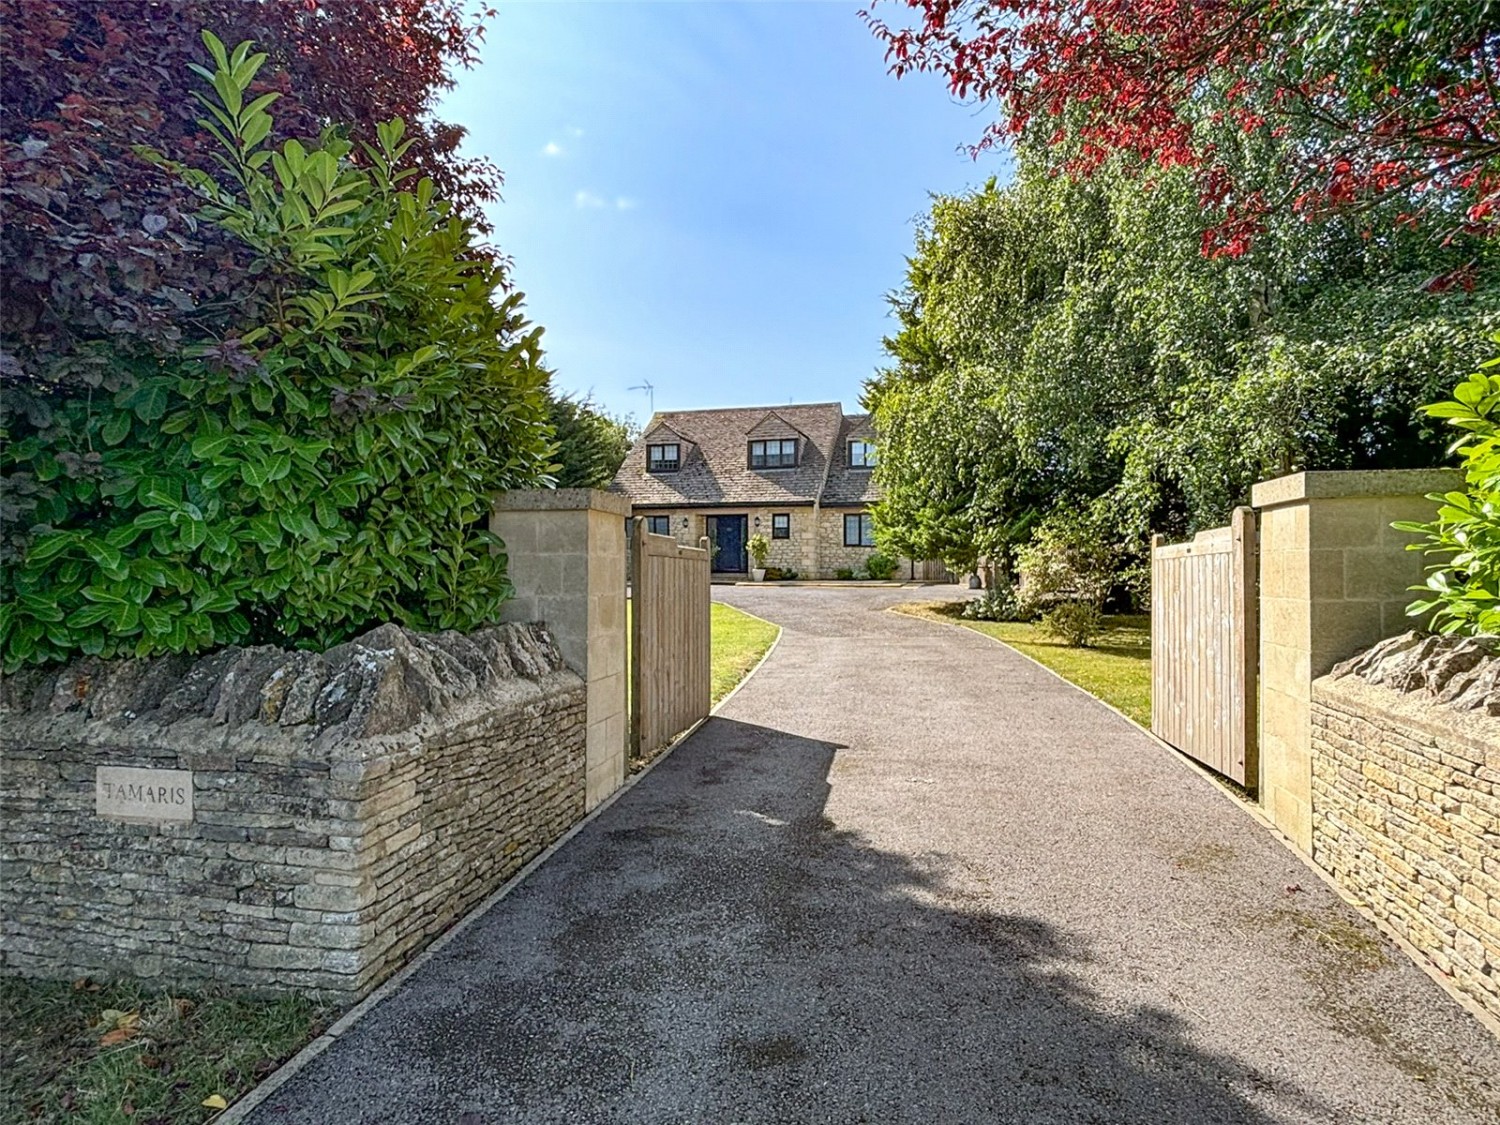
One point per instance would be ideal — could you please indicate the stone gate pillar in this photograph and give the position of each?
(566, 557)
(1333, 580)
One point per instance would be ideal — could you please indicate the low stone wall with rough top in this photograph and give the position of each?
(308, 821)
(1406, 798)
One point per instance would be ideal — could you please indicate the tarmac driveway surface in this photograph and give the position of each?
(907, 876)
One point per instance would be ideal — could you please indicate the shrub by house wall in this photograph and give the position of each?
(1406, 815)
(833, 555)
(337, 810)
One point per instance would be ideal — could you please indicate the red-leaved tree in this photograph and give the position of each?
(103, 258)
(1383, 103)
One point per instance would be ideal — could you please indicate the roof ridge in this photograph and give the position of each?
(768, 409)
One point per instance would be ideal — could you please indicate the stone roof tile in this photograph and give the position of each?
(719, 472)
(846, 484)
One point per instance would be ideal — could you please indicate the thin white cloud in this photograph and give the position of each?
(587, 200)
(574, 131)
(624, 204)
(552, 148)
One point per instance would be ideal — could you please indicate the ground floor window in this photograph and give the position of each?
(659, 525)
(781, 526)
(859, 531)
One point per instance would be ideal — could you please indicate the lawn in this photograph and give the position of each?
(738, 642)
(1117, 669)
(135, 1053)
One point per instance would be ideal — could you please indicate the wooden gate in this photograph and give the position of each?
(670, 684)
(1204, 647)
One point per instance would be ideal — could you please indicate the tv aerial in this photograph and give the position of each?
(645, 385)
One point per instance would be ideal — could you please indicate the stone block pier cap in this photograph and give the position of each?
(563, 500)
(1337, 484)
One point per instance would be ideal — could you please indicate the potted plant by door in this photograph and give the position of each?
(760, 549)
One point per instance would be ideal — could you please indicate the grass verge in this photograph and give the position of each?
(1116, 669)
(133, 1054)
(738, 642)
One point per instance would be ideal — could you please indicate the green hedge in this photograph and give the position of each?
(327, 469)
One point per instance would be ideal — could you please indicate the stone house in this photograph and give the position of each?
(799, 475)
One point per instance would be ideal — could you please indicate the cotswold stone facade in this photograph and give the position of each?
(797, 552)
(347, 807)
(834, 555)
(1406, 815)
(728, 474)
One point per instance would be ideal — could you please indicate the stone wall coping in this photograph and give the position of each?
(1336, 484)
(1379, 703)
(203, 737)
(387, 690)
(563, 500)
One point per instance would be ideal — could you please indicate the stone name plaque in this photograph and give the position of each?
(143, 796)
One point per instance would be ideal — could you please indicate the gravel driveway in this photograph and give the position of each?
(907, 876)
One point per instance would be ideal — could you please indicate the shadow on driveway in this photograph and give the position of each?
(713, 948)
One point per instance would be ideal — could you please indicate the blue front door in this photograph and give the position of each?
(727, 535)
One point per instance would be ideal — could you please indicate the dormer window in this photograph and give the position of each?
(861, 454)
(773, 454)
(664, 458)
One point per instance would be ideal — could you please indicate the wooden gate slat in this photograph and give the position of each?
(1204, 646)
(669, 639)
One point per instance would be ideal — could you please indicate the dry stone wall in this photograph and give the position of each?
(1406, 798)
(345, 807)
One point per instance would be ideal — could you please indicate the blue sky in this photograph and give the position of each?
(712, 197)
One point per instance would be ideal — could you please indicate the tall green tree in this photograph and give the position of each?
(1064, 346)
(591, 442)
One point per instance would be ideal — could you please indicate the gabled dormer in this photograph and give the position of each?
(774, 443)
(859, 450)
(666, 449)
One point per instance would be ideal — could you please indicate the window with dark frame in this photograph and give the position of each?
(781, 526)
(659, 525)
(861, 454)
(664, 458)
(859, 530)
(774, 454)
